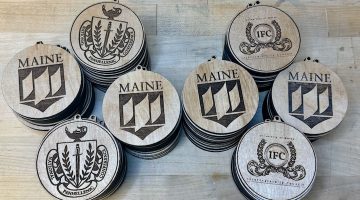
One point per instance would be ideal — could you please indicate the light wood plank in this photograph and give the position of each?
(342, 22)
(181, 35)
(57, 17)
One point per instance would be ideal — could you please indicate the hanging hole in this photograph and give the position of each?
(250, 4)
(257, 2)
(66, 49)
(316, 60)
(267, 120)
(93, 118)
(213, 57)
(144, 68)
(308, 58)
(277, 118)
(77, 116)
(39, 42)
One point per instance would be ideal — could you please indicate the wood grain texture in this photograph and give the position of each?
(90, 157)
(187, 172)
(341, 22)
(255, 153)
(263, 38)
(107, 25)
(199, 97)
(328, 97)
(37, 65)
(141, 108)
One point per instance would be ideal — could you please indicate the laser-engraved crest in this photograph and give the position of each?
(222, 101)
(141, 113)
(77, 167)
(276, 158)
(106, 40)
(264, 36)
(42, 86)
(310, 102)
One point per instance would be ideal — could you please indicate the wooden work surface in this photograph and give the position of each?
(182, 34)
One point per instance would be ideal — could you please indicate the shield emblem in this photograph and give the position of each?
(310, 102)
(221, 102)
(107, 35)
(142, 113)
(41, 87)
(77, 161)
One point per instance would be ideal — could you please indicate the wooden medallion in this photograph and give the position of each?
(107, 35)
(157, 152)
(41, 81)
(220, 97)
(263, 39)
(274, 161)
(141, 108)
(79, 159)
(310, 97)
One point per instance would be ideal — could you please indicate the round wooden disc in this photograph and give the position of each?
(220, 96)
(264, 39)
(275, 161)
(78, 159)
(141, 108)
(41, 81)
(310, 97)
(107, 35)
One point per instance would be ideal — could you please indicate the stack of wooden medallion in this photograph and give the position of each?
(274, 161)
(264, 40)
(80, 158)
(219, 99)
(308, 96)
(108, 39)
(142, 109)
(43, 85)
